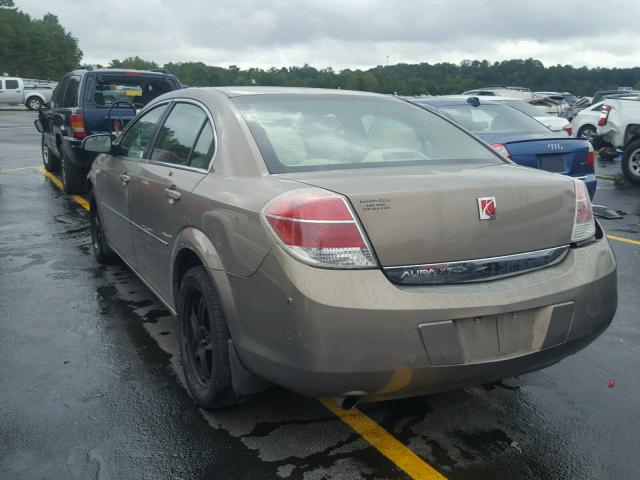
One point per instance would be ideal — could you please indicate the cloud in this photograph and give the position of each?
(357, 34)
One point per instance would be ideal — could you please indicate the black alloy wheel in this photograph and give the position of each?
(204, 342)
(198, 337)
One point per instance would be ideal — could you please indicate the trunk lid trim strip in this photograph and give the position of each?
(476, 270)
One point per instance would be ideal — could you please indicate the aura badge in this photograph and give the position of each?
(487, 208)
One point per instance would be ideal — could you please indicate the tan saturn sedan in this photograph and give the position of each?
(345, 244)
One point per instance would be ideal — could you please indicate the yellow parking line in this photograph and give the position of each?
(79, 199)
(625, 240)
(605, 177)
(11, 170)
(385, 443)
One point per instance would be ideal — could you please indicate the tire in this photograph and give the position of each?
(101, 249)
(49, 160)
(33, 103)
(587, 132)
(631, 162)
(73, 178)
(204, 336)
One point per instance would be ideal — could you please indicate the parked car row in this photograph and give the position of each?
(518, 136)
(552, 103)
(323, 240)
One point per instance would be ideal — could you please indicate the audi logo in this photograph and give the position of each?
(556, 147)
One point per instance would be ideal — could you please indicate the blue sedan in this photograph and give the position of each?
(518, 136)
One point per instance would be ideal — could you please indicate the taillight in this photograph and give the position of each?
(568, 129)
(502, 150)
(319, 228)
(77, 125)
(604, 115)
(583, 225)
(591, 156)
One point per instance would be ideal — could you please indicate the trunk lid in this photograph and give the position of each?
(418, 215)
(568, 156)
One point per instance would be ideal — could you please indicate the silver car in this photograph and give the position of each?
(345, 244)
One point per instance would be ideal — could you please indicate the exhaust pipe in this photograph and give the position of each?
(349, 402)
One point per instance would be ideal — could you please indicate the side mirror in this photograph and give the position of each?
(97, 143)
(39, 126)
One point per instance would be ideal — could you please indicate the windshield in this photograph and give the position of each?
(524, 107)
(136, 90)
(328, 132)
(486, 118)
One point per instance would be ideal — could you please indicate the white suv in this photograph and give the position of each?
(619, 125)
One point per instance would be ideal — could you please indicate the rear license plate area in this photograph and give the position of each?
(551, 163)
(496, 337)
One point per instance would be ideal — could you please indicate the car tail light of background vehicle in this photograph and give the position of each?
(604, 115)
(568, 129)
(77, 125)
(584, 226)
(591, 156)
(502, 150)
(318, 228)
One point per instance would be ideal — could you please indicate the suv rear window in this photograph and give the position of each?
(136, 90)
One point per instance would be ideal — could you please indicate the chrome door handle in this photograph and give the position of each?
(172, 194)
(124, 178)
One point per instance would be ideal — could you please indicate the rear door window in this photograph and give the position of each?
(136, 90)
(203, 149)
(177, 136)
(11, 84)
(135, 140)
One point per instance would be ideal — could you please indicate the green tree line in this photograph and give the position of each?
(412, 79)
(35, 48)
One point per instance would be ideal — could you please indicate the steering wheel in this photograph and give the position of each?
(117, 126)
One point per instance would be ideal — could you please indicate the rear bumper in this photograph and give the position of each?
(327, 332)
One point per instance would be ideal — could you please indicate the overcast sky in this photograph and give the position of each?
(351, 33)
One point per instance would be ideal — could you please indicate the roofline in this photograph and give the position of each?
(239, 91)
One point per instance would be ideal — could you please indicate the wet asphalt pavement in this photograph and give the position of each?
(90, 383)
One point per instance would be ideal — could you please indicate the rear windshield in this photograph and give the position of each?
(136, 90)
(330, 132)
(492, 119)
(524, 107)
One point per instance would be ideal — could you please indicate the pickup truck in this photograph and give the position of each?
(619, 126)
(19, 91)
